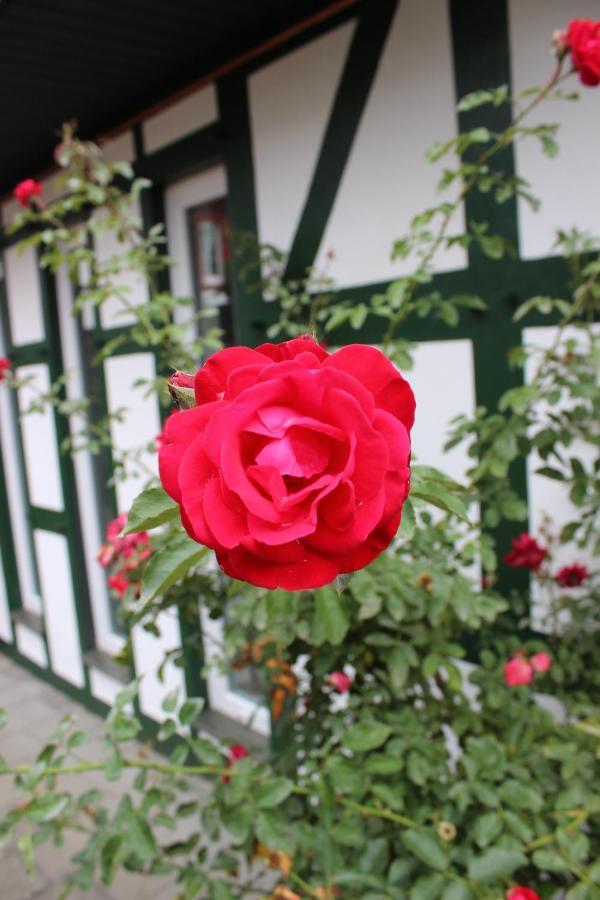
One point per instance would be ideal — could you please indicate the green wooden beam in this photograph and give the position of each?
(349, 104)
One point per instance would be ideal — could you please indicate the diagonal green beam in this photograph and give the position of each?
(351, 97)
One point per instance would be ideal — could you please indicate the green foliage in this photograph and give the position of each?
(431, 777)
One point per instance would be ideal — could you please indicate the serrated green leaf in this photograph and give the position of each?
(169, 565)
(495, 863)
(366, 736)
(427, 847)
(150, 508)
(332, 614)
(272, 793)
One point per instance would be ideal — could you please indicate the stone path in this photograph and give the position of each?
(34, 709)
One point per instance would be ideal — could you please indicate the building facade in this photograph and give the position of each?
(316, 145)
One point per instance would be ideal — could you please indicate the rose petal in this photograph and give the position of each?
(211, 380)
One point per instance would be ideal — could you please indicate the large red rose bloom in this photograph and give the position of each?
(582, 39)
(294, 464)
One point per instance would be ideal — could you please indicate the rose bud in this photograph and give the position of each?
(526, 553)
(517, 671)
(572, 576)
(294, 464)
(340, 681)
(26, 190)
(5, 366)
(541, 662)
(181, 389)
(236, 751)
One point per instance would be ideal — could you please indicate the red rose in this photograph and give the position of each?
(517, 671)
(572, 576)
(119, 584)
(236, 751)
(27, 189)
(540, 662)
(582, 40)
(294, 464)
(521, 893)
(5, 366)
(526, 553)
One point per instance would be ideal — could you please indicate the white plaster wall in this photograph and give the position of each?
(31, 645)
(183, 117)
(119, 149)
(290, 103)
(444, 386)
(23, 294)
(181, 196)
(148, 653)
(104, 687)
(54, 567)
(569, 184)
(113, 312)
(141, 422)
(106, 639)
(40, 446)
(5, 626)
(387, 181)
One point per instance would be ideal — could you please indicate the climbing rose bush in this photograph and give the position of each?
(294, 463)
(124, 556)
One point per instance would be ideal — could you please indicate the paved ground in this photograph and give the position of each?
(34, 709)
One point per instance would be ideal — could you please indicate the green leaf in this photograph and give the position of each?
(549, 860)
(486, 829)
(428, 887)
(274, 792)
(190, 710)
(498, 862)
(457, 890)
(366, 736)
(48, 807)
(109, 857)
(206, 752)
(150, 508)
(137, 833)
(332, 614)
(520, 795)
(438, 496)
(169, 565)
(427, 847)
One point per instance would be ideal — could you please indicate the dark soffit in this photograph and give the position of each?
(104, 61)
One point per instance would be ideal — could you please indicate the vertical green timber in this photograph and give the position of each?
(480, 39)
(73, 533)
(349, 104)
(250, 313)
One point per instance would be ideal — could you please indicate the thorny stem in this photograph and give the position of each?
(499, 144)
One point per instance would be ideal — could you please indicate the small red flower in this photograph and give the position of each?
(518, 671)
(119, 584)
(541, 662)
(526, 553)
(572, 576)
(236, 751)
(340, 681)
(582, 41)
(5, 366)
(26, 190)
(518, 892)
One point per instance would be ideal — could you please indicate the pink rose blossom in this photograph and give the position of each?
(119, 584)
(236, 751)
(340, 681)
(517, 671)
(541, 662)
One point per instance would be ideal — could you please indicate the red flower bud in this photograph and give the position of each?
(5, 366)
(26, 190)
